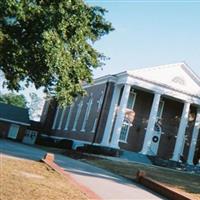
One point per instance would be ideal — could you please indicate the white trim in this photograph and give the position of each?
(160, 89)
(151, 124)
(120, 116)
(101, 80)
(126, 123)
(55, 117)
(77, 115)
(15, 131)
(194, 138)
(68, 117)
(111, 116)
(87, 113)
(13, 121)
(134, 99)
(61, 118)
(162, 103)
(94, 125)
(100, 101)
(180, 141)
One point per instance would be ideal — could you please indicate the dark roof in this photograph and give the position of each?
(14, 114)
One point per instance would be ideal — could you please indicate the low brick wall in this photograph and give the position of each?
(49, 160)
(159, 188)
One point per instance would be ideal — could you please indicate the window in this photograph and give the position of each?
(160, 109)
(68, 117)
(89, 105)
(55, 118)
(61, 118)
(94, 126)
(126, 124)
(13, 131)
(100, 101)
(124, 130)
(77, 115)
(131, 100)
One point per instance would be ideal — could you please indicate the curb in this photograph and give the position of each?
(49, 160)
(158, 187)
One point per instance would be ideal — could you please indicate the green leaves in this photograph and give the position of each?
(48, 43)
(13, 99)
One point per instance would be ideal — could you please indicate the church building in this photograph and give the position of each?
(152, 111)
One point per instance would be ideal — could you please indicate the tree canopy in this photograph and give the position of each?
(13, 99)
(50, 43)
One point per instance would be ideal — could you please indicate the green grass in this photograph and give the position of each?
(188, 184)
(183, 182)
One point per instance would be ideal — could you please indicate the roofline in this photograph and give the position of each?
(192, 73)
(165, 85)
(13, 121)
(101, 80)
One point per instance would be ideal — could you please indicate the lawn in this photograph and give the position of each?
(182, 182)
(24, 179)
(185, 183)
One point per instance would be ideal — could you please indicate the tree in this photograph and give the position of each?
(50, 43)
(13, 99)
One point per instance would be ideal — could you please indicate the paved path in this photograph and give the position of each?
(105, 184)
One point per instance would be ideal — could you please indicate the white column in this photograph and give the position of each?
(151, 124)
(111, 116)
(180, 139)
(194, 138)
(120, 116)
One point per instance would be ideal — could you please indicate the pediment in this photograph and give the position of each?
(177, 76)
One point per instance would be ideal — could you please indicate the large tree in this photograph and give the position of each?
(50, 43)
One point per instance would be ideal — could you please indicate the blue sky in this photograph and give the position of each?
(150, 33)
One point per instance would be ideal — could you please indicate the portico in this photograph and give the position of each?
(116, 116)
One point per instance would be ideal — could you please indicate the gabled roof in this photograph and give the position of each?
(177, 76)
(14, 114)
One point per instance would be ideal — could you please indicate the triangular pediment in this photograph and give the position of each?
(177, 76)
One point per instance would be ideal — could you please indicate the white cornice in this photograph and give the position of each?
(13, 121)
(101, 80)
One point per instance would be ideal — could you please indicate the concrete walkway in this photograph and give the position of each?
(105, 184)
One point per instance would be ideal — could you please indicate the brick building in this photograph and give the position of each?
(153, 111)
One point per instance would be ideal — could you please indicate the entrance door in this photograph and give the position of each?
(30, 137)
(13, 131)
(155, 140)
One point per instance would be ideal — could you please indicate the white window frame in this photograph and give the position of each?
(94, 125)
(134, 99)
(126, 124)
(100, 101)
(160, 109)
(13, 131)
(68, 117)
(55, 118)
(77, 115)
(87, 113)
(61, 118)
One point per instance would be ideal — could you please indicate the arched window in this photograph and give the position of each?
(79, 107)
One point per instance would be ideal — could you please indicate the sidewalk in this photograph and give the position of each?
(105, 184)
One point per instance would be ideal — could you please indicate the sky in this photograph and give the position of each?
(150, 33)
(147, 33)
